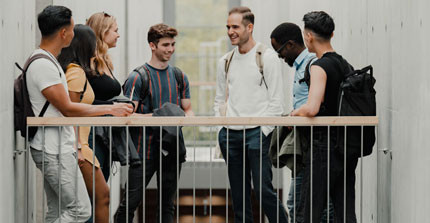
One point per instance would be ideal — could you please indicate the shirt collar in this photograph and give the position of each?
(299, 60)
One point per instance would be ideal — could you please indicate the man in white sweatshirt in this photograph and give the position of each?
(249, 84)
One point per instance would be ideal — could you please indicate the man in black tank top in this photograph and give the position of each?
(326, 75)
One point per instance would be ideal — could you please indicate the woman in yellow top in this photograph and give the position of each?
(75, 61)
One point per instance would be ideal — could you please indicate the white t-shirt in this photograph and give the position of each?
(41, 74)
(248, 96)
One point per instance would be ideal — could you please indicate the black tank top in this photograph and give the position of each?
(104, 87)
(335, 67)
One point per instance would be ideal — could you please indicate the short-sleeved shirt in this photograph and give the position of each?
(42, 74)
(76, 79)
(300, 88)
(331, 63)
(163, 88)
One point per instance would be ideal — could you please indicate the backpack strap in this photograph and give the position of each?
(83, 92)
(179, 76)
(145, 86)
(307, 75)
(27, 65)
(227, 60)
(260, 63)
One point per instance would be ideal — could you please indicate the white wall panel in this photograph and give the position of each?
(141, 15)
(16, 43)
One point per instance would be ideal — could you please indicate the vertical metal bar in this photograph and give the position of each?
(160, 189)
(377, 168)
(210, 175)
(311, 172)
(27, 174)
(144, 174)
(243, 172)
(328, 174)
(43, 172)
(94, 178)
(226, 177)
(177, 174)
(94, 152)
(295, 173)
(361, 177)
(127, 182)
(194, 176)
(59, 173)
(77, 139)
(344, 176)
(277, 174)
(261, 174)
(110, 173)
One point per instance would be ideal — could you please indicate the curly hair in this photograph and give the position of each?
(156, 32)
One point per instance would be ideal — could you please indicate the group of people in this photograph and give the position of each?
(78, 80)
(249, 84)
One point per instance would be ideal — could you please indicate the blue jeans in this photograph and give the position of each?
(290, 202)
(252, 169)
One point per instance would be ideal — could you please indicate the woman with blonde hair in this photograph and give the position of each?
(104, 83)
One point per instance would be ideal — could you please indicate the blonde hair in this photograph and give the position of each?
(101, 22)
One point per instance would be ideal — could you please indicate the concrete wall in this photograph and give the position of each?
(17, 28)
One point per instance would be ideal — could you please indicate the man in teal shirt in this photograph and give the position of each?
(288, 42)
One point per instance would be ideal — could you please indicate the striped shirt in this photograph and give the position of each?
(163, 88)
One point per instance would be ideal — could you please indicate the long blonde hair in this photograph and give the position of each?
(101, 22)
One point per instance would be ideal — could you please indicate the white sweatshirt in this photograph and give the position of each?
(247, 98)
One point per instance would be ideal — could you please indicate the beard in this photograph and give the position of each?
(289, 62)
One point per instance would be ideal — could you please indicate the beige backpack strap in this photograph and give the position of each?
(228, 61)
(260, 63)
(226, 67)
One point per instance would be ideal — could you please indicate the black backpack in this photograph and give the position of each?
(144, 90)
(22, 104)
(357, 97)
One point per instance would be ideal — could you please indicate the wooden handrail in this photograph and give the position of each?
(205, 121)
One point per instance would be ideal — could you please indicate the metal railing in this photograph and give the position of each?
(192, 122)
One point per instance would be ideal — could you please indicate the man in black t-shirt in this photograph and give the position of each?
(326, 75)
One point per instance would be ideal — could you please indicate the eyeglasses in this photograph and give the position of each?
(280, 49)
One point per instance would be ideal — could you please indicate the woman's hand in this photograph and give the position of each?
(121, 109)
(80, 156)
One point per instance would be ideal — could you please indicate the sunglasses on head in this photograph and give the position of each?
(106, 14)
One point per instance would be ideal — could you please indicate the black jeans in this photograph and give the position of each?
(135, 189)
(252, 169)
(319, 178)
